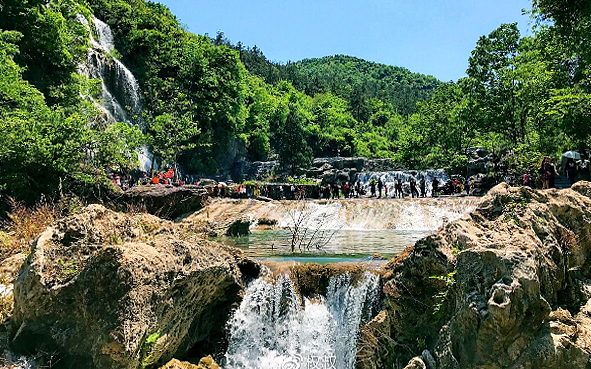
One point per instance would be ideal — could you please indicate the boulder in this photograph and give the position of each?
(102, 289)
(207, 182)
(373, 343)
(482, 184)
(8, 271)
(506, 286)
(165, 201)
(381, 165)
(480, 160)
(205, 363)
(260, 170)
(416, 363)
(239, 227)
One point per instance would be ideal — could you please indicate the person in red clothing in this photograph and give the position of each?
(168, 175)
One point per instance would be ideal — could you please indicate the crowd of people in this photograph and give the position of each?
(138, 177)
(548, 172)
(376, 187)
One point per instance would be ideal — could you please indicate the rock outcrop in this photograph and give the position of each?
(8, 271)
(164, 201)
(480, 160)
(506, 286)
(205, 363)
(239, 227)
(108, 290)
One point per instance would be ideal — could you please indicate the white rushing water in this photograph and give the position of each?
(404, 215)
(272, 329)
(389, 178)
(121, 98)
(12, 361)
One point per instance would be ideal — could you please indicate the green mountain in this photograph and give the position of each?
(353, 79)
(356, 79)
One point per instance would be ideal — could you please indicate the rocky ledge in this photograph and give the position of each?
(165, 201)
(103, 289)
(506, 286)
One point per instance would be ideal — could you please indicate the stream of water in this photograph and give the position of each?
(348, 230)
(274, 329)
(121, 99)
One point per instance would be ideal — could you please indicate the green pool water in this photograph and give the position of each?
(342, 246)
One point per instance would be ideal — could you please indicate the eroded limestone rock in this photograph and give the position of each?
(205, 363)
(108, 290)
(506, 286)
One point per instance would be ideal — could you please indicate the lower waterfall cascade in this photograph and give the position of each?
(275, 328)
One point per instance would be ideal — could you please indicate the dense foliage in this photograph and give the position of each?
(209, 103)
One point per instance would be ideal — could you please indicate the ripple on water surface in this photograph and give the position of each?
(347, 244)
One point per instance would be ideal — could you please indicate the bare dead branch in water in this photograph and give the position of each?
(304, 236)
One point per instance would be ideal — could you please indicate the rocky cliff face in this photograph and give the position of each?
(507, 286)
(108, 290)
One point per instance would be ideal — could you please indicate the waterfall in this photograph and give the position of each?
(273, 327)
(389, 178)
(18, 362)
(424, 214)
(121, 99)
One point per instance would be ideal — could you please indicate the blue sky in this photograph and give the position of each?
(427, 36)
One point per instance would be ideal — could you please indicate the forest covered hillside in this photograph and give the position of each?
(207, 103)
(357, 80)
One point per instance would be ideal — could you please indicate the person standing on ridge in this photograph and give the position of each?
(547, 171)
(398, 188)
(572, 170)
(435, 185)
(380, 186)
(413, 188)
(372, 187)
(335, 191)
(422, 185)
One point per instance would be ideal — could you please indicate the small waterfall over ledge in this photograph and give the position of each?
(389, 178)
(121, 99)
(424, 214)
(273, 328)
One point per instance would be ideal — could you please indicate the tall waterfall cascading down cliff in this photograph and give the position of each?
(273, 329)
(121, 99)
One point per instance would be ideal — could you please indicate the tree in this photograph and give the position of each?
(493, 85)
(172, 136)
(118, 145)
(290, 141)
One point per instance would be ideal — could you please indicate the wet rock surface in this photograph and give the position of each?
(108, 290)
(239, 227)
(506, 286)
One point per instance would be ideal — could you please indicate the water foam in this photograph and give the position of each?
(121, 99)
(273, 329)
(404, 215)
